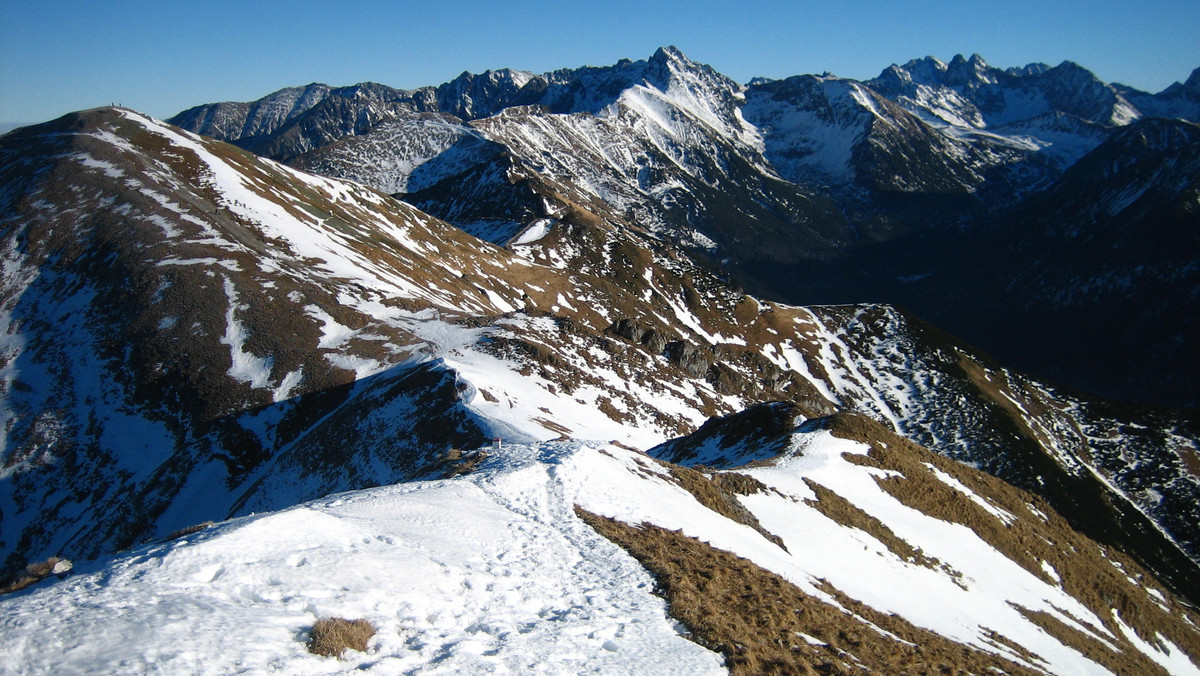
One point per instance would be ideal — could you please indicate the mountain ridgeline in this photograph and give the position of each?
(925, 187)
(640, 304)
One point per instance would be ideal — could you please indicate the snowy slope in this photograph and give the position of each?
(493, 571)
(404, 155)
(492, 574)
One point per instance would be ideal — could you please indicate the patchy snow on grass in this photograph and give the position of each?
(333, 334)
(972, 496)
(246, 367)
(963, 608)
(1164, 653)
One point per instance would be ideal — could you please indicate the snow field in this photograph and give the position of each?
(490, 575)
(492, 572)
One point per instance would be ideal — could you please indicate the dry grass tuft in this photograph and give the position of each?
(740, 484)
(195, 528)
(331, 636)
(34, 573)
(844, 512)
(457, 462)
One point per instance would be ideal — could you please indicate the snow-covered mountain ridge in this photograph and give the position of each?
(195, 333)
(810, 189)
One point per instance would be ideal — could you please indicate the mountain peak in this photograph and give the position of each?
(1193, 81)
(1072, 73)
(927, 71)
(668, 53)
(975, 61)
(1029, 70)
(470, 96)
(668, 61)
(964, 71)
(1069, 66)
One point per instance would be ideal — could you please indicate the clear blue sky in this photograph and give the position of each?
(162, 57)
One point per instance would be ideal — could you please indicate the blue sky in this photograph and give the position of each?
(162, 57)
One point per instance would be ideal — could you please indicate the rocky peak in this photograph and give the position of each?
(471, 96)
(667, 55)
(669, 69)
(933, 72)
(929, 70)
(1069, 71)
(1028, 70)
(1193, 81)
(231, 120)
(1074, 89)
(969, 72)
(372, 90)
(1188, 89)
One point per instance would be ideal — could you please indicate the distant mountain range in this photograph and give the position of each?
(919, 187)
(552, 312)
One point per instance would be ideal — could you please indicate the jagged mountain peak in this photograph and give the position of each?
(668, 69)
(1074, 89)
(233, 120)
(1179, 100)
(924, 68)
(829, 97)
(968, 93)
(971, 71)
(1193, 81)
(1029, 70)
(1189, 88)
(932, 71)
(1072, 71)
(844, 131)
(517, 77)
(364, 89)
(471, 96)
(671, 60)
(669, 54)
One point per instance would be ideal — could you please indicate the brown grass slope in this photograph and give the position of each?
(755, 618)
(1102, 578)
(725, 601)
